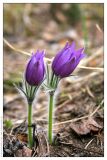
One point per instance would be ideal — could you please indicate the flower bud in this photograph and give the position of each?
(67, 60)
(35, 69)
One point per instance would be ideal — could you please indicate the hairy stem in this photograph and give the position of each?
(30, 136)
(50, 118)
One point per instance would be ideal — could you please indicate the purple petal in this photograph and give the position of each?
(35, 74)
(63, 56)
(39, 54)
(66, 69)
(35, 69)
(79, 52)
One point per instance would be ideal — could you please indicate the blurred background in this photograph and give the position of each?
(49, 26)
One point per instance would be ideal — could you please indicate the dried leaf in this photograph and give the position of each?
(22, 137)
(93, 125)
(85, 126)
(80, 128)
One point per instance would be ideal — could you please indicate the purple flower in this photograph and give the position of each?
(67, 60)
(35, 69)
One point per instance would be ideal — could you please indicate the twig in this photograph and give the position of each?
(83, 79)
(19, 50)
(72, 120)
(89, 92)
(97, 108)
(99, 28)
(88, 143)
(92, 68)
(15, 49)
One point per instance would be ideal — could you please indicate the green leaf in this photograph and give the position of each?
(8, 124)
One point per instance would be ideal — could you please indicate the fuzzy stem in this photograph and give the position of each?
(30, 137)
(50, 120)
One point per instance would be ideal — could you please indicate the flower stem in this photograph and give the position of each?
(30, 136)
(50, 120)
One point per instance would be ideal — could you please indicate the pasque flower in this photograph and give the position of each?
(34, 76)
(67, 60)
(35, 69)
(63, 65)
